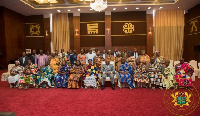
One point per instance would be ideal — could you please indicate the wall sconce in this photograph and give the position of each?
(108, 30)
(76, 32)
(46, 33)
(150, 30)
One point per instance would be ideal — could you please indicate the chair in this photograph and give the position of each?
(4, 76)
(171, 62)
(108, 78)
(176, 62)
(193, 63)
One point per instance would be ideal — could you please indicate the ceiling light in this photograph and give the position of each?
(46, 1)
(58, 10)
(68, 10)
(160, 7)
(99, 5)
(178, 7)
(114, 8)
(137, 8)
(125, 8)
(79, 9)
(149, 8)
(90, 9)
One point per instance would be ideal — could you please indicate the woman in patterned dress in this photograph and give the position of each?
(54, 62)
(61, 78)
(109, 56)
(30, 71)
(76, 73)
(97, 60)
(118, 61)
(91, 76)
(184, 73)
(15, 73)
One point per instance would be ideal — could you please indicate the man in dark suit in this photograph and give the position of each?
(135, 53)
(33, 56)
(24, 59)
(107, 70)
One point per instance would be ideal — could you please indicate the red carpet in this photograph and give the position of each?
(70, 102)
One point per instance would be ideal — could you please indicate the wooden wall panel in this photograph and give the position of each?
(76, 22)
(3, 56)
(192, 38)
(71, 29)
(94, 39)
(47, 35)
(137, 38)
(35, 42)
(14, 33)
(108, 40)
(149, 34)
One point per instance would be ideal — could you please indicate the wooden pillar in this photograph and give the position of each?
(108, 41)
(76, 22)
(47, 34)
(149, 48)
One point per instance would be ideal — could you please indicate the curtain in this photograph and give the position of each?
(60, 32)
(169, 32)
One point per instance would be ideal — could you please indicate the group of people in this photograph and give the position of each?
(71, 70)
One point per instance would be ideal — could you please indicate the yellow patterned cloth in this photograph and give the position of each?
(144, 58)
(54, 64)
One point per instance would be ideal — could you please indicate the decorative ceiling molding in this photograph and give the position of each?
(85, 3)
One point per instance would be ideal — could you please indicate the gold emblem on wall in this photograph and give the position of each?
(194, 27)
(128, 28)
(92, 28)
(35, 29)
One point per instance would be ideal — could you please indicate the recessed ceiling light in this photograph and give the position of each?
(79, 9)
(160, 7)
(114, 8)
(149, 8)
(125, 8)
(68, 10)
(58, 10)
(90, 9)
(178, 7)
(137, 8)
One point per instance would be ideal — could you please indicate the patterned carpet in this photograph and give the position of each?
(71, 102)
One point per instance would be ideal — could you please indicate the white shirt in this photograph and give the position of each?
(23, 60)
(89, 56)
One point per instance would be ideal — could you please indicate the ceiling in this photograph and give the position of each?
(74, 5)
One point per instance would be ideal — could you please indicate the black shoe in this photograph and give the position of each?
(113, 86)
(102, 87)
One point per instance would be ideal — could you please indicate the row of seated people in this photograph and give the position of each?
(141, 72)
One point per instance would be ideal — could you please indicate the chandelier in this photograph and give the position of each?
(46, 1)
(99, 5)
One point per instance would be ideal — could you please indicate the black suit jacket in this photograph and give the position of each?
(25, 62)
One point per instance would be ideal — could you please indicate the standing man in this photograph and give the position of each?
(24, 59)
(40, 59)
(89, 56)
(33, 56)
(108, 70)
(135, 53)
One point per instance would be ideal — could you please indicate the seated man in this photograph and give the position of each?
(107, 70)
(30, 71)
(184, 73)
(168, 75)
(15, 73)
(154, 72)
(125, 73)
(46, 77)
(61, 78)
(91, 76)
(76, 73)
(140, 76)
